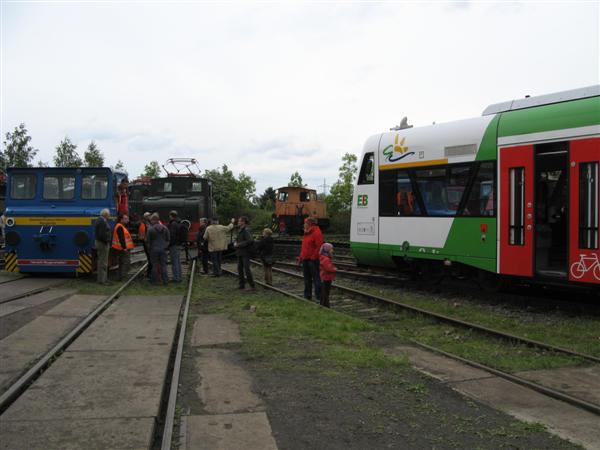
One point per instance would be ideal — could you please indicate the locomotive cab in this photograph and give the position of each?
(293, 205)
(50, 216)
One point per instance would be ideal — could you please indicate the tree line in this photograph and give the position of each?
(233, 195)
(18, 152)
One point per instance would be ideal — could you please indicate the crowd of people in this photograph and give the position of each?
(163, 241)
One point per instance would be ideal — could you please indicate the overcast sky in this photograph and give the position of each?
(269, 88)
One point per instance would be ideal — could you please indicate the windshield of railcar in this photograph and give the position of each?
(59, 187)
(94, 186)
(22, 186)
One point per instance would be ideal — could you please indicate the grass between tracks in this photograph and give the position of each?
(554, 327)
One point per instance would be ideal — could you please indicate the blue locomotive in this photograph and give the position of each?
(50, 216)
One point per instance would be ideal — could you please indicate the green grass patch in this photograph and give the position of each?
(578, 333)
(284, 332)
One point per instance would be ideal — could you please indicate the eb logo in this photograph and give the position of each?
(362, 201)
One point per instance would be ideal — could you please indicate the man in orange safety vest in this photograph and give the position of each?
(122, 245)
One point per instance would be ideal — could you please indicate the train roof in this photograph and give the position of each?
(62, 169)
(539, 100)
(295, 188)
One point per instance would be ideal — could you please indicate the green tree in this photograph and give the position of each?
(296, 180)
(93, 157)
(340, 196)
(17, 152)
(120, 167)
(232, 195)
(152, 170)
(66, 154)
(267, 199)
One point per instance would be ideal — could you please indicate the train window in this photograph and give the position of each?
(516, 230)
(22, 186)
(282, 197)
(367, 170)
(304, 196)
(59, 187)
(167, 187)
(94, 187)
(396, 194)
(196, 186)
(588, 205)
(481, 200)
(387, 193)
(442, 189)
(406, 204)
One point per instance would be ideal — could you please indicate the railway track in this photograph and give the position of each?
(380, 310)
(166, 416)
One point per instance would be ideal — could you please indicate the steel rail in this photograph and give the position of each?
(455, 321)
(549, 392)
(21, 384)
(167, 436)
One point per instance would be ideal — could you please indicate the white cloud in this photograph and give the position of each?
(272, 88)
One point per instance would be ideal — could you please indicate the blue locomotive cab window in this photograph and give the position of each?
(59, 187)
(94, 187)
(22, 186)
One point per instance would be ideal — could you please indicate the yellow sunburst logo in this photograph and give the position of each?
(400, 148)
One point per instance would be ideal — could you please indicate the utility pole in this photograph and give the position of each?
(324, 186)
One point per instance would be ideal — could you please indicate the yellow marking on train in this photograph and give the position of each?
(431, 162)
(53, 221)
(10, 262)
(85, 263)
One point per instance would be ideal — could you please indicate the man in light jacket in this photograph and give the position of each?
(216, 236)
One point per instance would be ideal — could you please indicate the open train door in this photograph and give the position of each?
(584, 254)
(516, 211)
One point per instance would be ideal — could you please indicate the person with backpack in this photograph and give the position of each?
(178, 232)
(243, 247)
(158, 239)
(327, 272)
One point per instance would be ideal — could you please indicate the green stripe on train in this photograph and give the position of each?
(464, 245)
(557, 116)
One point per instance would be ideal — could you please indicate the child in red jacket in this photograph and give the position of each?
(327, 270)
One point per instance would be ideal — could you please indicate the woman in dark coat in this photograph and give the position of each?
(264, 247)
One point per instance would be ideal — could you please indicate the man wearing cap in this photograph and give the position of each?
(309, 258)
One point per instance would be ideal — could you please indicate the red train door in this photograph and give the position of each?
(516, 210)
(584, 251)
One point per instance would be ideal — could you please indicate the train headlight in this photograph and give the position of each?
(81, 238)
(10, 222)
(12, 238)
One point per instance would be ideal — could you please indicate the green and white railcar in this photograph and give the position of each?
(511, 193)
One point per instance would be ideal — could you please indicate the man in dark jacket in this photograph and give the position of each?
(309, 258)
(175, 246)
(102, 235)
(158, 238)
(202, 245)
(243, 245)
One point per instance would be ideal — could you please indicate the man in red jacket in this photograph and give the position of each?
(309, 258)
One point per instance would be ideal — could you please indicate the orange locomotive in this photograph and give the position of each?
(293, 205)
